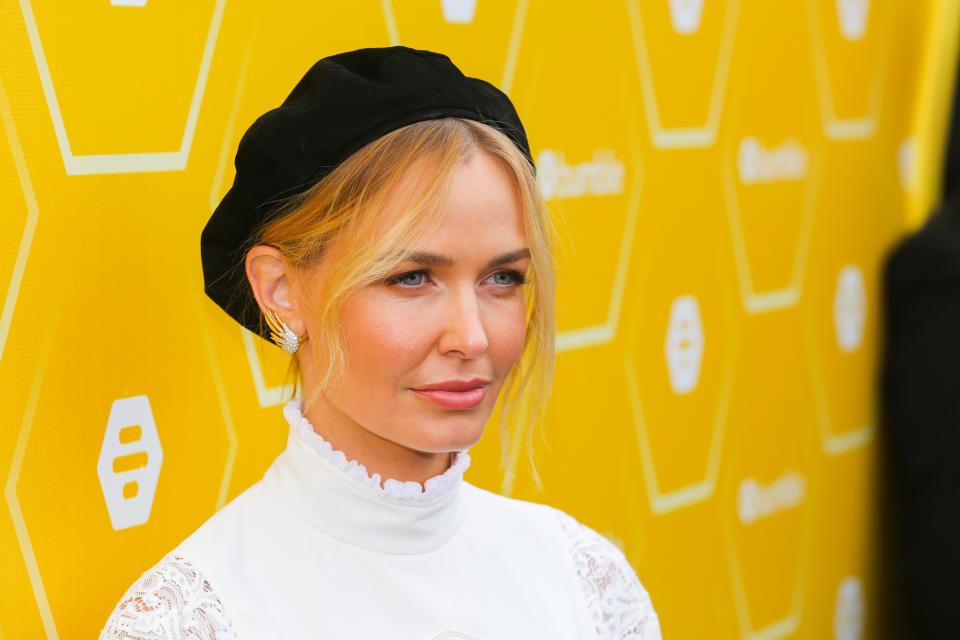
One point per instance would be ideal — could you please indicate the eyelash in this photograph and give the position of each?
(518, 278)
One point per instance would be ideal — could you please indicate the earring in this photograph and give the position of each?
(280, 333)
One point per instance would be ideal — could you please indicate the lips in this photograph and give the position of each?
(454, 394)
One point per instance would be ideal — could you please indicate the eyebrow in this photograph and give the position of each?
(421, 257)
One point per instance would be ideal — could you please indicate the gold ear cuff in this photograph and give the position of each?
(281, 333)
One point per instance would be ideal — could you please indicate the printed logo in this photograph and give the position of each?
(756, 501)
(458, 11)
(852, 16)
(906, 163)
(849, 610)
(685, 15)
(849, 308)
(785, 163)
(684, 344)
(601, 176)
(129, 463)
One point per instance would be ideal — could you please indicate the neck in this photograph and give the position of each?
(377, 454)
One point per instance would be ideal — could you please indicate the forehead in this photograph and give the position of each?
(482, 211)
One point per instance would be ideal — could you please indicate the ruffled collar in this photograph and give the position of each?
(402, 489)
(338, 498)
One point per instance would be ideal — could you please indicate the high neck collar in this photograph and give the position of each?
(338, 497)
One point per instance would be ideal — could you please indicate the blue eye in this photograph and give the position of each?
(409, 279)
(507, 278)
(415, 279)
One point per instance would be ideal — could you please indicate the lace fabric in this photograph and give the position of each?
(174, 601)
(619, 605)
(408, 490)
(171, 601)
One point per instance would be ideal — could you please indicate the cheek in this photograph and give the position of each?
(386, 342)
(382, 343)
(507, 329)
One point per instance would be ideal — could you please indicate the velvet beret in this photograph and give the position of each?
(342, 103)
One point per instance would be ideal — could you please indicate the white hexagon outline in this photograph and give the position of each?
(121, 162)
(701, 490)
(222, 399)
(835, 128)
(683, 137)
(765, 301)
(791, 622)
(223, 158)
(513, 47)
(30, 224)
(266, 396)
(219, 385)
(604, 333)
(13, 478)
(832, 444)
(224, 403)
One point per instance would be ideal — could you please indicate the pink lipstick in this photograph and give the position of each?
(454, 394)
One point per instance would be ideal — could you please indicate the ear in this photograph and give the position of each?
(269, 275)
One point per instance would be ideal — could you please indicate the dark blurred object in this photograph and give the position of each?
(951, 169)
(920, 431)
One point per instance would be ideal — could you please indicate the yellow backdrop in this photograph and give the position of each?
(729, 175)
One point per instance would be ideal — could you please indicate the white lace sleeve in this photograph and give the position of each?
(618, 603)
(171, 601)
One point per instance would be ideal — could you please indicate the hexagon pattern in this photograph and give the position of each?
(95, 72)
(725, 177)
(130, 461)
(683, 62)
(684, 344)
(849, 308)
(849, 37)
(849, 613)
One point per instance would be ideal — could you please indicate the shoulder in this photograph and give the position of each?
(501, 507)
(170, 600)
(619, 604)
(620, 607)
(177, 597)
(512, 518)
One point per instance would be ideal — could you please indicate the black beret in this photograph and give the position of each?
(342, 103)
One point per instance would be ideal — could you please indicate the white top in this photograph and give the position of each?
(318, 549)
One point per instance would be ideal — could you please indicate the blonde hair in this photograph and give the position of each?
(350, 199)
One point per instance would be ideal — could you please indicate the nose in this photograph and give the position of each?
(464, 334)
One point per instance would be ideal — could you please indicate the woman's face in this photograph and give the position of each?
(428, 350)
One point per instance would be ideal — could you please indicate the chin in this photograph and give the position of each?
(443, 436)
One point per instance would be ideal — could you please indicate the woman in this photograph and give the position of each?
(386, 228)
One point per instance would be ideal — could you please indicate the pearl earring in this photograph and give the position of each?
(281, 333)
